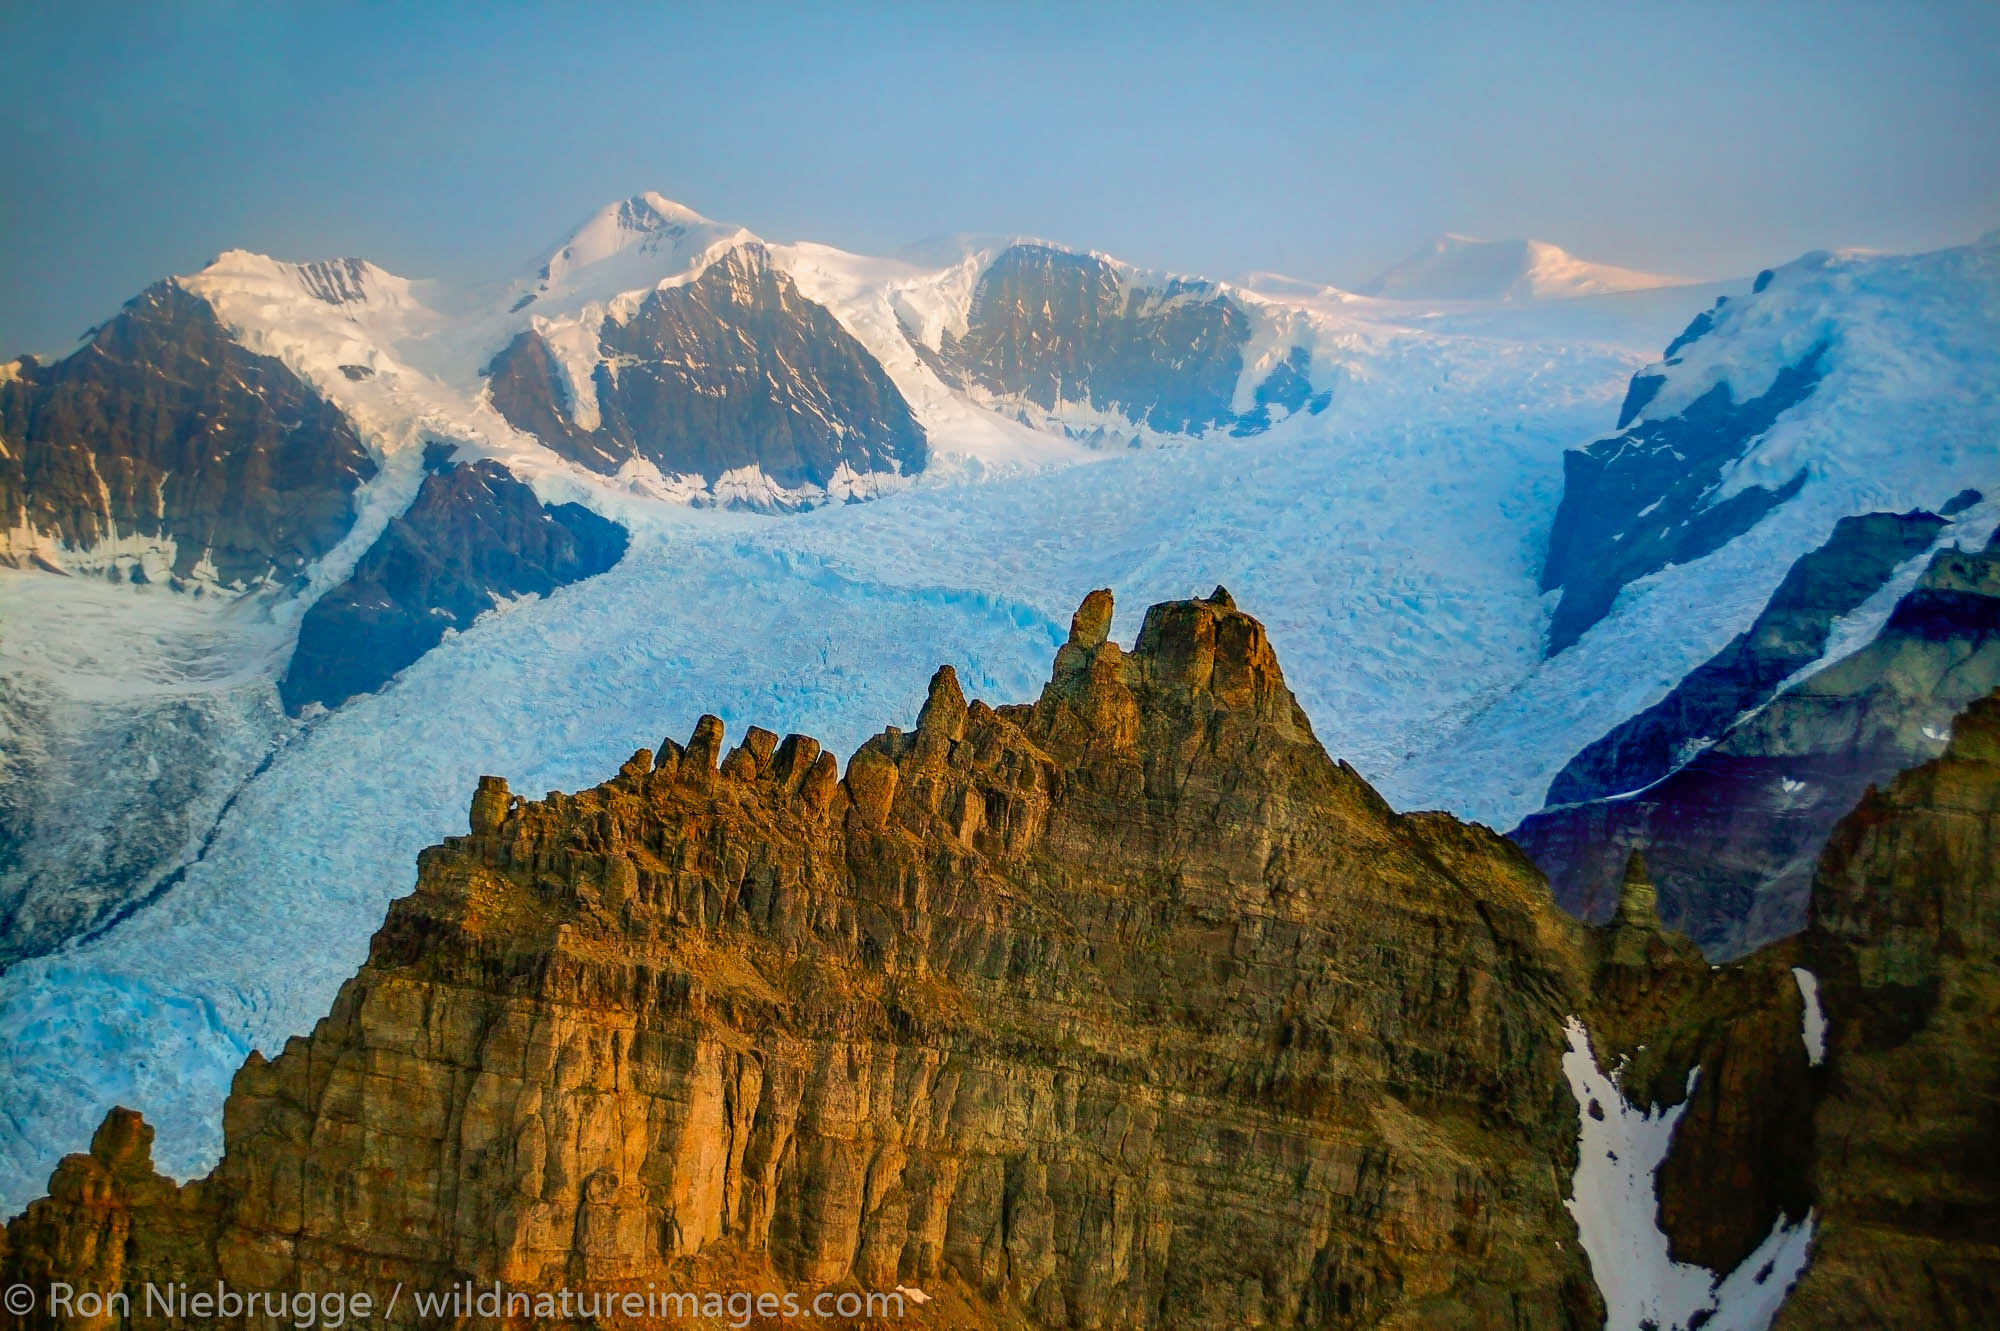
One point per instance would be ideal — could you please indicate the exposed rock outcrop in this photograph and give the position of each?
(1052, 328)
(731, 369)
(1125, 1008)
(163, 449)
(1733, 836)
(473, 538)
(1791, 632)
(1648, 497)
(1905, 944)
(1740, 1158)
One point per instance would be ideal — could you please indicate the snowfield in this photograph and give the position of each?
(1391, 545)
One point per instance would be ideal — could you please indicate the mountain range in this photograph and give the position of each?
(294, 553)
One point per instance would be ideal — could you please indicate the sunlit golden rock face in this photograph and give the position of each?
(1125, 1008)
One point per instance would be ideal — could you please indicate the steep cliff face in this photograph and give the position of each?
(732, 369)
(1127, 1008)
(1739, 1165)
(473, 538)
(1733, 836)
(1905, 945)
(1051, 328)
(162, 449)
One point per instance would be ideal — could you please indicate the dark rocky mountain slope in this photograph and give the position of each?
(163, 432)
(1790, 633)
(1733, 835)
(732, 369)
(473, 537)
(1054, 328)
(1905, 941)
(1650, 495)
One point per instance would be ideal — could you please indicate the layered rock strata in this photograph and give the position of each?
(1904, 945)
(1127, 1008)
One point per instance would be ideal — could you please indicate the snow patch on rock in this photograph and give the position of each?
(1619, 1151)
(1813, 1024)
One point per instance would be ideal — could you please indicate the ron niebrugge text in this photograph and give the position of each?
(333, 1309)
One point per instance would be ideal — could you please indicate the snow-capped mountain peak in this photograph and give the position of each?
(1454, 267)
(628, 245)
(340, 283)
(646, 219)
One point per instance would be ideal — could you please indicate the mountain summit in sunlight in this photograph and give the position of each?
(1463, 268)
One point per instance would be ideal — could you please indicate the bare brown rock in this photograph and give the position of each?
(1127, 1009)
(164, 428)
(1905, 940)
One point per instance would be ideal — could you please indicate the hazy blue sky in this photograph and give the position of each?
(460, 141)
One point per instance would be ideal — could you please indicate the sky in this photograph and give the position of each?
(1325, 142)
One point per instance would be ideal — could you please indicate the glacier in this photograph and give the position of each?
(1391, 546)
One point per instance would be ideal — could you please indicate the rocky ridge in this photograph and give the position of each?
(1129, 1007)
(1050, 329)
(731, 369)
(1733, 835)
(1790, 633)
(1651, 496)
(1126, 1008)
(473, 538)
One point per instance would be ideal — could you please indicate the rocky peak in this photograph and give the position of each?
(1051, 329)
(1128, 1007)
(731, 370)
(163, 451)
(1645, 973)
(1638, 903)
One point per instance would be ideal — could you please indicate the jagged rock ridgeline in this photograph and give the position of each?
(1126, 1008)
(162, 449)
(733, 368)
(1734, 834)
(473, 538)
